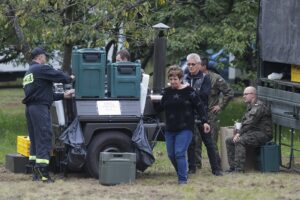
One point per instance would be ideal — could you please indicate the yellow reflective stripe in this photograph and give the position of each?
(42, 161)
(28, 79)
(32, 157)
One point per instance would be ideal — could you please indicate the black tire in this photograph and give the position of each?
(108, 141)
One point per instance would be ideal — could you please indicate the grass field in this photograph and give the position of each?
(158, 182)
(12, 120)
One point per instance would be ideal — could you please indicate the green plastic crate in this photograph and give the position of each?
(116, 168)
(124, 79)
(89, 66)
(269, 158)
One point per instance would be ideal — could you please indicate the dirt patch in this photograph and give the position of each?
(80, 186)
(156, 183)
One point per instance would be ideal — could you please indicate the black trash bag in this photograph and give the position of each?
(73, 138)
(143, 150)
(76, 158)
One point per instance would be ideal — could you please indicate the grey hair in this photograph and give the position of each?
(194, 56)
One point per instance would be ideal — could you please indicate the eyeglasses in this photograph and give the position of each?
(192, 64)
(245, 94)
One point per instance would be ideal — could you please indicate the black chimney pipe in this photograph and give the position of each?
(160, 60)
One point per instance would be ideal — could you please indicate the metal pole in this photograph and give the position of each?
(160, 59)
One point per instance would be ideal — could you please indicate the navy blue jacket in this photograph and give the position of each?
(38, 84)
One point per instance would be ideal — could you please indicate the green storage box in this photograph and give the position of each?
(124, 79)
(89, 66)
(269, 158)
(116, 168)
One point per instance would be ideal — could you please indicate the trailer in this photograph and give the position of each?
(279, 72)
(110, 101)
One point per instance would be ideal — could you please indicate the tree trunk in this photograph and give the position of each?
(67, 58)
(22, 43)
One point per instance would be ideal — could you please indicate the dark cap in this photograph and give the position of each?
(38, 51)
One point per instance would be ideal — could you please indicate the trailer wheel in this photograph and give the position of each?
(109, 141)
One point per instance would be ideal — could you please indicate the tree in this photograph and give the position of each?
(196, 25)
(201, 24)
(61, 25)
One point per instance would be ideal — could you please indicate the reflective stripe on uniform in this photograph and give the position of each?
(28, 79)
(32, 157)
(42, 161)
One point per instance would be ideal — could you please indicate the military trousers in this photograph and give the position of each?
(236, 152)
(214, 129)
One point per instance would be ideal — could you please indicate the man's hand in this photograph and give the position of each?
(69, 94)
(236, 138)
(206, 128)
(215, 109)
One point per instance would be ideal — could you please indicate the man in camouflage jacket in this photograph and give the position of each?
(220, 94)
(256, 130)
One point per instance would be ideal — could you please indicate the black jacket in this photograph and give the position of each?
(180, 106)
(38, 84)
(202, 85)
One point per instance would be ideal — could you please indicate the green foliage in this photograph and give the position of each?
(195, 26)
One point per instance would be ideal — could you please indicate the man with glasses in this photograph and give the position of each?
(202, 85)
(256, 130)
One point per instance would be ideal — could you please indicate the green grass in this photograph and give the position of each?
(12, 120)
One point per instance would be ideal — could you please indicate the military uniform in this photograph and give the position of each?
(218, 86)
(256, 130)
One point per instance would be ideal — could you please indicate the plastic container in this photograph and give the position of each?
(60, 112)
(268, 158)
(23, 145)
(124, 79)
(295, 73)
(116, 168)
(89, 68)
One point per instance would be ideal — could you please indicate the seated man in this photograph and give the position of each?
(256, 130)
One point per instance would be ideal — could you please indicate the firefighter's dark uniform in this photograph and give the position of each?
(38, 88)
(256, 130)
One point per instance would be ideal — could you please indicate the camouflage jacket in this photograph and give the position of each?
(257, 118)
(218, 86)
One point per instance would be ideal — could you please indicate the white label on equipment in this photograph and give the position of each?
(108, 107)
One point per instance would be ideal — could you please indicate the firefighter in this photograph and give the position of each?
(38, 88)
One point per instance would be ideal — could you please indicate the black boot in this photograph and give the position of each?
(35, 175)
(43, 174)
(30, 168)
(230, 170)
(217, 173)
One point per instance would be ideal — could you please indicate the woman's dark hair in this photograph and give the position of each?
(175, 70)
